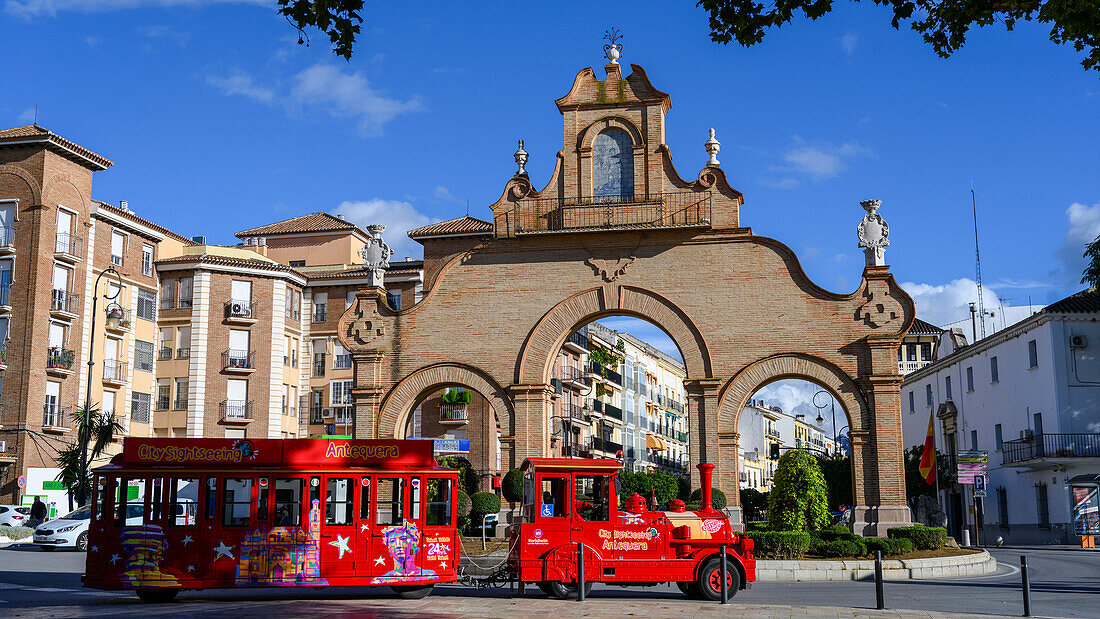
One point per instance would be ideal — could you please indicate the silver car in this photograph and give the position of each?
(70, 530)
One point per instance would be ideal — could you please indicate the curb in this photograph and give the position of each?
(8, 542)
(895, 569)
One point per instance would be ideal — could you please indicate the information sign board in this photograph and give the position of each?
(980, 485)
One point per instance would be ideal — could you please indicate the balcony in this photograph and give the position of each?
(68, 247)
(453, 414)
(342, 414)
(239, 361)
(573, 412)
(7, 240)
(55, 419)
(573, 377)
(600, 372)
(164, 354)
(607, 410)
(183, 352)
(64, 304)
(1045, 450)
(5, 297)
(606, 446)
(319, 365)
(905, 367)
(316, 414)
(320, 312)
(577, 342)
(124, 320)
(60, 361)
(236, 411)
(115, 372)
(241, 311)
(772, 432)
(684, 209)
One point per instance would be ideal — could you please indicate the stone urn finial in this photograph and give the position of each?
(613, 50)
(873, 233)
(521, 160)
(713, 146)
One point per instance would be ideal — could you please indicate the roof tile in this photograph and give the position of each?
(313, 222)
(1084, 301)
(461, 226)
(37, 133)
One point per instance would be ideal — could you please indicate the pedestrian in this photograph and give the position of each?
(38, 513)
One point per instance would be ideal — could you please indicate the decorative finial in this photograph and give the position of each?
(376, 256)
(521, 160)
(613, 50)
(873, 233)
(713, 146)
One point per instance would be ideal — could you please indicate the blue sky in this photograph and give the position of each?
(217, 121)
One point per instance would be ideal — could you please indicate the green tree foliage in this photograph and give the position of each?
(943, 24)
(914, 482)
(799, 498)
(838, 478)
(753, 503)
(667, 485)
(467, 476)
(456, 396)
(484, 503)
(465, 507)
(339, 19)
(717, 498)
(1091, 275)
(512, 486)
(102, 430)
(609, 358)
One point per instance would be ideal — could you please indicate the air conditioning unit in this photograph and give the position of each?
(1078, 341)
(327, 413)
(1026, 435)
(237, 309)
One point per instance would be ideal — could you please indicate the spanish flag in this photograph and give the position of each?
(928, 458)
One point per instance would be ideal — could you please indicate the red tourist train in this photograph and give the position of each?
(220, 513)
(569, 502)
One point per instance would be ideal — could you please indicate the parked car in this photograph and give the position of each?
(14, 515)
(70, 530)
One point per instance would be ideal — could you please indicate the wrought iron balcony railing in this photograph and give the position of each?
(115, 371)
(596, 213)
(55, 416)
(320, 312)
(605, 445)
(451, 413)
(60, 358)
(605, 373)
(68, 244)
(1078, 445)
(236, 410)
(236, 308)
(238, 359)
(578, 339)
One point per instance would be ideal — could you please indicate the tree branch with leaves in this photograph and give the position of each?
(339, 19)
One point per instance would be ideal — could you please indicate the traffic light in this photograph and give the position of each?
(773, 452)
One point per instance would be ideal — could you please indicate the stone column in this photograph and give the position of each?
(534, 407)
(709, 444)
(728, 477)
(362, 331)
(367, 392)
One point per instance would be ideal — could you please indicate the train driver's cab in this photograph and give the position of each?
(567, 490)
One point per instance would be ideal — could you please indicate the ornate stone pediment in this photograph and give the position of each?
(363, 328)
(610, 269)
(879, 310)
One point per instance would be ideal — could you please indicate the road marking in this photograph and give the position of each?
(10, 586)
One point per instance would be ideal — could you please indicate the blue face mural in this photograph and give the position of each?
(613, 165)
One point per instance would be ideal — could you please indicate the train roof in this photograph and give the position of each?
(572, 464)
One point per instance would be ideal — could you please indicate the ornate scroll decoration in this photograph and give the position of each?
(366, 328)
(610, 269)
(879, 310)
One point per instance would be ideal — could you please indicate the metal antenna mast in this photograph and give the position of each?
(978, 258)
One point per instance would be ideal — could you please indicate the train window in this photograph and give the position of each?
(364, 499)
(100, 497)
(183, 501)
(439, 501)
(211, 497)
(156, 500)
(414, 498)
(553, 497)
(129, 502)
(288, 502)
(237, 497)
(389, 497)
(591, 495)
(261, 499)
(339, 501)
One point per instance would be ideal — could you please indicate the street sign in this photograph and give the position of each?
(22, 481)
(979, 486)
(970, 464)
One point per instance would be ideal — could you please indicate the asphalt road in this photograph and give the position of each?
(1064, 583)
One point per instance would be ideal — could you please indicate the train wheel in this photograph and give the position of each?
(567, 590)
(544, 587)
(709, 582)
(157, 596)
(689, 588)
(413, 592)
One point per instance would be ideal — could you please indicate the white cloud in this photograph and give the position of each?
(50, 8)
(166, 33)
(241, 84)
(1083, 228)
(796, 397)
(780, 183)
(848, 43)
(93, 40)
(947, 303)
(398, 217)
(822, 161)
(28, 115)
(443, 193)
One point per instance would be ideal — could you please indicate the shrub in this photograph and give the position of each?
(16, 532)
(923, 538)
(889, 547)
(512, 486)
(754, 503)
(839, 548)
(829, 534)
(467, 476)
(779, 544)
(464, 507)
(756, 525)
(456, 396)
(799, 498)
(485, 503)
(717, 497)
(666, 485)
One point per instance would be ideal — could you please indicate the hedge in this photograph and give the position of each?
(923, 538)
(512, 486)
(14, 533)
(756, 525)
(889, 547)
(717, 497)
(485, 503)
(833, 533)
(838, 548)
(779, 544)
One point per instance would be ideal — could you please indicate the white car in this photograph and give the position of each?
(70, 530)
(14, 515)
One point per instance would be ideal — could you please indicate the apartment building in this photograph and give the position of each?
(765, 431)
(918, 347)
(1029, 395)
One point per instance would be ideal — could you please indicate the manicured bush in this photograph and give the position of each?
(779, 544)
(756, 525)
(923, 538)
(889, 547)
(799, 498)
(485, 503)
(838, 548)
(754, 503)
(16, 532)
(830, 534)
(512, 486)
(464, 506)
(717, 497)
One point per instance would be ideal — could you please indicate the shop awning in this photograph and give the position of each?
(655, 442)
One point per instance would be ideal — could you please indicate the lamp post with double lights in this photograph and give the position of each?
(114, 316)
(820, 420)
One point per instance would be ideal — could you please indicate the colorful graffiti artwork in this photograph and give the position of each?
(283, 556)
(403, 543)
(144, 547)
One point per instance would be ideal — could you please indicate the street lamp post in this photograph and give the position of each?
(820, 419)
(113, 316)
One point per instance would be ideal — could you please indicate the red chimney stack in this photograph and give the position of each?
(706, 470)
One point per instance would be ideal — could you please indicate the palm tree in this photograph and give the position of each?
(101, 432)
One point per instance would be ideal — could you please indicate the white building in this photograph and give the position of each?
(1030, 396)
(763, 425)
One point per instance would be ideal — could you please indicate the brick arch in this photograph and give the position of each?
(589, 133)
(737, 392)
(59, 179)
(32, 184)
(398, 403)
(547, 337)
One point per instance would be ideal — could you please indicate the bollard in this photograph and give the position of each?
(580, 571)
(1026, 585)
(879, 598)
(725, 587)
